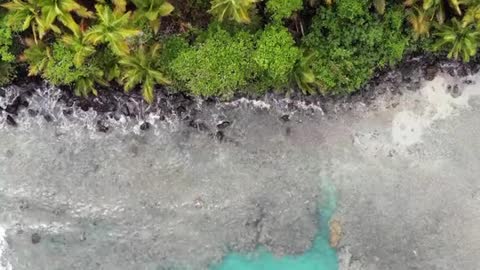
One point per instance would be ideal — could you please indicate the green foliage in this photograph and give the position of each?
(37, 55)
(217, 66)
(61, 68)
(172, 48)
(6, 43)
(151, 11)
(350, 43)
(80, 46)
(379, 6)
(419, 21)
(107, 61)
(304, 75)
(276, 54)
(437, 8)
(7, 73)
(236, 10)
(282, 9)
(57, 65)
(41, 15)
(25, 14)
(60, 10)
(140, 68)
(113, 28)
(462, 41)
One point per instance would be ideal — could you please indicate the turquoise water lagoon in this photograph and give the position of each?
(320, 257)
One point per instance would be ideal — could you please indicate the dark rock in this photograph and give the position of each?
(285, 118)
(288, 131)
(456, 92)
(84, 106)
(32, 113)
(68, 111)
(163, 105)
(224, 124)
(468, 82)
(161, 117)
(101, 127)
(11, 121)
(125, 110)
(145, 126)
(23, 205)
(201, 126)
(2, 92)
(181, 110)
(430, 72)
(69, 103)
(83, 236)
(48, 118)
(104, 104)
(220, 136)
(36, 238)
(14, 106)
(462, 71)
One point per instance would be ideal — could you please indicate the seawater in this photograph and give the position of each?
(320, 257)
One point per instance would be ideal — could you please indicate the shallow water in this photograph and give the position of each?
(405, 171)
(320, 257)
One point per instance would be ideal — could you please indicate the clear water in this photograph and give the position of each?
(320, 257)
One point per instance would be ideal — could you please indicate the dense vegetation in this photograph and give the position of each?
(221, 47)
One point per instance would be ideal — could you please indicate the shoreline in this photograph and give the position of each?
(115, 104)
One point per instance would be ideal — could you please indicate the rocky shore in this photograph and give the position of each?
(112, 104)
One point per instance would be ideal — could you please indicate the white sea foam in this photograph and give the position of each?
(4, 264)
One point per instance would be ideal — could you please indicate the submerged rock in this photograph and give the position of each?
(285, 118)
(430, 72)
(36, 238)
(199, 125)
(145, 126)
(11, 121)
(223, 124)
(101, 127)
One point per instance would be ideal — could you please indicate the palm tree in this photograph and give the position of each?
(304, 75)
(113, 28)
(472, 15)
(152, 10)
(25, 14)
(462, 40)
(437, 7)
(420, 22)
(379, 6)
(53, 10)
(37, 55)
(139, 68)
(120, 6)
(82, 48)
(85, 85)
(237, 10)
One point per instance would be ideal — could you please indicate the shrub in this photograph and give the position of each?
(350, 43)
(61, 68)
(276, 55)
(7, 73)
(282, 9)
(5, 43)
(172, 48)
(218, 65)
